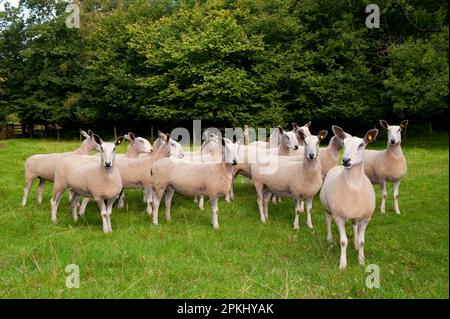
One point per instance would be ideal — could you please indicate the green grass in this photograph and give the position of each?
(244, 259)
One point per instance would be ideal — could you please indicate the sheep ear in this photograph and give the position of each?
(90, 133)
(338, 132)
(280, 129)
(308, 124)
(384, 124)
(371, 136)
(322, 135)
(119, 140)
(162, 135)
(404, 123)
(294, 126)
(85, 135)
(301, 136)
(97, 139)
(207, 133)
(131, 136)
(167, 137)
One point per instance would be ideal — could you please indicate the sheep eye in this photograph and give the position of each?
(361, 145)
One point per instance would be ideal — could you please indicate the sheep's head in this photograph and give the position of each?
(140, 144)
(107, 150)
(304, 129)
(311, 143)
(394, 131)
(89, 140)
(354, 146)
(230, 150)
(288, 139)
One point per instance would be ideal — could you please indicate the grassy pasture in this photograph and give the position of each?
(244, 259)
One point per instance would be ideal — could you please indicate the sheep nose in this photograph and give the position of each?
(234, 162)
(311, 155)
(346, 162)
(392, 141)
(107, 164)
(296, 147)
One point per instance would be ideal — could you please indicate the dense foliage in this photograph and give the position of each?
(228, 62)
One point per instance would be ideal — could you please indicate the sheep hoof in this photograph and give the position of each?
(330, 239)
(342, 265)
(54, 220)
(310, 226)
(397, 212)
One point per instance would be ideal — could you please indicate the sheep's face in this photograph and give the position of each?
(353, 151)
(108, 152)
(354, 148)
(287, 139)
(231, 151)
(176, 149)
(209, 143)
(394, 131)
(142, 145)
(311, 143)
(290, 140)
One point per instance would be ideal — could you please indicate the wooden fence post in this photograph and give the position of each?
(115, 133)
(246, 137)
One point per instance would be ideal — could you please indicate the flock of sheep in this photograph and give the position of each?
(301, 170)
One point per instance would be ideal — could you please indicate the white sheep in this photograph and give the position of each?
(43, 166)
(88, 176)
(388, 165)
(290, 177)
(348, 194)
(135, 172)
(193, 179)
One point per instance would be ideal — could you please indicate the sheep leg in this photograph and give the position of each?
(26, 191)
(169, 195)
(102, 206)
(156, 201)
(74, 206)
(383, 197)
(259, 194)
(309, 201)
(70, 196)
(340, 223)
(54, 201)
(297, 213)
(201, 202)
(195, 199)
(215, 212)
(121, 202)
(279, 199)
(355, 233)
(149, 199)
(395, 189)
(266, 199)
(362, 225)
(109, 206)
(83, 206)
(40, 190)
(329, 218)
